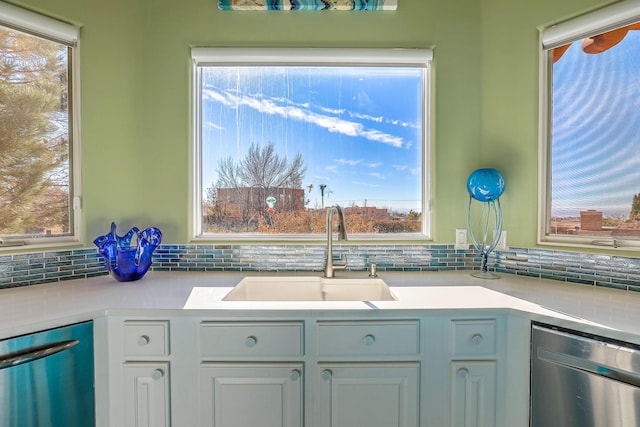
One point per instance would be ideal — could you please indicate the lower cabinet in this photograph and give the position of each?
(473, 394)
(135, 361)
(146, 394)
(368, 373)
(250, 395)
(473, 372)
(347, 370)
(368, 395)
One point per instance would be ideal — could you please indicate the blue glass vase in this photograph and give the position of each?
(127, 262)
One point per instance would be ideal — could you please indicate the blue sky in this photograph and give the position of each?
(359, 130)
(596, 129)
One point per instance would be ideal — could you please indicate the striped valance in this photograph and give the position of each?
(308, 4)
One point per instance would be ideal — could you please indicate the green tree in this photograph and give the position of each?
(635, 207)
(322, 188)
(413, 215)
(34, 192)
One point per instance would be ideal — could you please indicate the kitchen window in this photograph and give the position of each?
(590, 129)
(39, 170)
(282, 134)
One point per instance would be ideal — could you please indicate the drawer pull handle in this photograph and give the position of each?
(143, 340)
(369, 339)
(157, 374)
(251, 341)
(476, 339)
(463, 372)
(295, 375)
(326, 374)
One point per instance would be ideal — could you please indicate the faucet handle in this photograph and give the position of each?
(340, 264)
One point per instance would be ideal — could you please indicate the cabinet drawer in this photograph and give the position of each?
(146, 338)
(251, 339)
(473, 337)
(382, 338)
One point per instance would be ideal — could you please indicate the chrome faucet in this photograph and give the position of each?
(331, 265)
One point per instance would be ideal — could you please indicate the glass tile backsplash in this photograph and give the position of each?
(592, 269)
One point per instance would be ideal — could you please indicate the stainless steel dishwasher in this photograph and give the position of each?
(46, 378)
(581, 380)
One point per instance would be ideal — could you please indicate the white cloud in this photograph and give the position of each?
(332, 110)
(300, 112)
(365, 184)
(332, 168)
(212, 95)
(385, 138)
(378, 119)
(402, 168)
(348, 162)
(214, 126)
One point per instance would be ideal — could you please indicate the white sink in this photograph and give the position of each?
(309, 288)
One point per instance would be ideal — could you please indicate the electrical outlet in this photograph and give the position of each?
(461, 239)
(502, 243)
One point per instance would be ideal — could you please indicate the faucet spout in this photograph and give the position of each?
(331, 265)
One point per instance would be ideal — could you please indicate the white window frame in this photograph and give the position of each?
(69, 35)
(599, 21)
(320, 56)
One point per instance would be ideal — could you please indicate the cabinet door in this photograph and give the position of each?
(146, 394)
(251, 395)
(473, 394)
(368, 395)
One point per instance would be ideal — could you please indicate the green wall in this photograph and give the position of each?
(136, 105)
(510, 100)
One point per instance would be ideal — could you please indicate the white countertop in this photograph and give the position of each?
(600, 310)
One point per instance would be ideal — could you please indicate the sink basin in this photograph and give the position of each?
(309, 288)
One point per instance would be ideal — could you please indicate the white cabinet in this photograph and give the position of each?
(314, 369)
(353, 372)
(146, 394)
(251, 340)
(142, 338)
(473, 394)
(249, 395)
(368, 374)
(251, 374)
(387, 339)
(137, 360)
(368, 394)
(473, 372)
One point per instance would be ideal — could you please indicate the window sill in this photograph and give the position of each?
(32, 246)
(591, 243)
(311, 238)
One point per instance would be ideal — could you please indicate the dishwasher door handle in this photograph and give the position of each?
(602, 370)
(34, 353)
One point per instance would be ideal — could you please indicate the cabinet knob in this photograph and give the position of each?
(476, 338)
(369, 339)
(463, 372)
(326, 374)
(143, 340)
(295, 374)
(157, 374)
(251, 341)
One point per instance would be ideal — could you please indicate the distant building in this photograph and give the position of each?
(591, 220)
(370, 213)
(239, 201)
